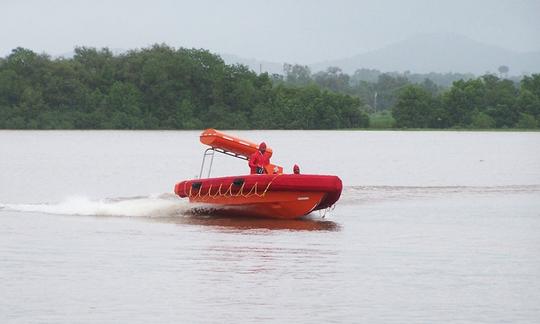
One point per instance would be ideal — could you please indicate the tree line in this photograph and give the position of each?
(484, 102)
(378, 90)
(165, 88)
(160, 88)
(416, 101)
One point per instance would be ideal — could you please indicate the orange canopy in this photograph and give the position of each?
(217, 139)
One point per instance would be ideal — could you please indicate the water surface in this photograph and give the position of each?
(431, 227)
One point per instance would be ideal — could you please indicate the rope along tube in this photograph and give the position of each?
(254, 191)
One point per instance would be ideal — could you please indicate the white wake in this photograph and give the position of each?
(164, 205)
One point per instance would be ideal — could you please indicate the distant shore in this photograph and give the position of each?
(161, 87)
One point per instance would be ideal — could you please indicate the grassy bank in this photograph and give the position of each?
(381, 120)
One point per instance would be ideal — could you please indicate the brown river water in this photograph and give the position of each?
(431, 227)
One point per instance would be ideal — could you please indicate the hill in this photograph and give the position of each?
(439, 53)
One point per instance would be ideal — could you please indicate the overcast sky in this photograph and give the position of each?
(283, 31)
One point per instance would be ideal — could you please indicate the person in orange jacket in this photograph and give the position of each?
(259, 160)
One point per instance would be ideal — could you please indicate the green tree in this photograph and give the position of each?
(482, 120)
(528, 103)
(334, 79)
(527, 121)
(503, 70)
(125, 98)
(504, 116)
(387, 90)
(462, 99)
(532, 84)
(297, 74)
(413, 108)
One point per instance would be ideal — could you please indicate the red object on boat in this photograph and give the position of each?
(277, 195)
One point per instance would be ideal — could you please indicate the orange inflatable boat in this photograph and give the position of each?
(272, 195)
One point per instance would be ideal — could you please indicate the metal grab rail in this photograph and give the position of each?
(210, 152)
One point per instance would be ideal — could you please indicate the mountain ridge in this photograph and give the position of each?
(424, 53)
(439, 53)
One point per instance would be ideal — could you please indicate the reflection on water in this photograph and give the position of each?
(248, 223)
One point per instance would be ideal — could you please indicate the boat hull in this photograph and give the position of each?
(271, 196)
